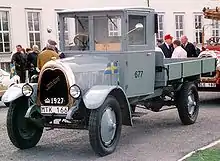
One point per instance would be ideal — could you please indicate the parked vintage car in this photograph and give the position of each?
(111, 67)
(6, 81)
(211, 81)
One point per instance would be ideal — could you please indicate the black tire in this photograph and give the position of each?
(187, 117)
(95, 127)
(22, 133)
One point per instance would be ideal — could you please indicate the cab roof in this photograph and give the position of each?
(136, 8)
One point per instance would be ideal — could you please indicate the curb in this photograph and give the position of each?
(203, 148)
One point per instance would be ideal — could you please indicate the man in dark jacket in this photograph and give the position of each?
(167, 46)
(18, 59)
(198, 51)
(32, 60)
(189, 47)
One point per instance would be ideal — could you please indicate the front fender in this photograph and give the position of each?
(96, 96)
(15, 91)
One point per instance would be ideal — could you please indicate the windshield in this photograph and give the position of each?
(107, 33)
(106, 30)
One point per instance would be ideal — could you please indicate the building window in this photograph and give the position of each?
(65, 30)
(4, 32)
(34, 28)
(114, 26)
(179, 19)
(160, 33)
(215, 28)
(198, 28)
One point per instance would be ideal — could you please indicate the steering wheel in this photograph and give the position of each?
(81, 40)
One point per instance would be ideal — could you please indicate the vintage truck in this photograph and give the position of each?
(111, 67)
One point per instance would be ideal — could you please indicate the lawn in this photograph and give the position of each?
(212, 154)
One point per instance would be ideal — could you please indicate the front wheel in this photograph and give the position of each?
(187, 102)
(105, 127)
(22, 133)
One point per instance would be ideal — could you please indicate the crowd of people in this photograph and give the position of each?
(178, 48)
(31, 60)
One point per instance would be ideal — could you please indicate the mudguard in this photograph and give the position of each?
(15, 91)
(96, 96)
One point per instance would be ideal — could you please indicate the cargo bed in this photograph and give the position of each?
(177, 69)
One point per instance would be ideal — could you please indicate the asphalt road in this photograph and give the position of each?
(154, 137)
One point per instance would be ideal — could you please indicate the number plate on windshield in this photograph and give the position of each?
(54, 109)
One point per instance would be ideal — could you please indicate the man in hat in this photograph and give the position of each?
(167, 46)
(52, 42)
(46, 56)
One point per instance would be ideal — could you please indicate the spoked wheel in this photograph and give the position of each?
(105, 127)
(22, 133)
(188, 103)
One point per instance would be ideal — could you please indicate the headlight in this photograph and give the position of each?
(75, 91)
(27, 90)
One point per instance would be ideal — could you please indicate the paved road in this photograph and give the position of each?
(154, 137)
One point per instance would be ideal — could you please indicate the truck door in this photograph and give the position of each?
(140, 73)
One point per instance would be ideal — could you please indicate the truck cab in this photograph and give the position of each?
(123, 34)
(108, 29)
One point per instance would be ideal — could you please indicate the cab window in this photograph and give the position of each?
(137, 37)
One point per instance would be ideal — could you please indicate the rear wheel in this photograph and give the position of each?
(105, 127)
(22, 133)
(187, 102)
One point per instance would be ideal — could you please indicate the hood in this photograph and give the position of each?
(86, 63)
(84, 70)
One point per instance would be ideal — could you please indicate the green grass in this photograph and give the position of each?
(206, 155)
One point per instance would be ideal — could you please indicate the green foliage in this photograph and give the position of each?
(206, 155)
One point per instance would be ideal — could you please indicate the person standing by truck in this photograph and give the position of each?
(178, 52)
(18, 59)
(32, 60)
(167, 46)
(188, 46)
(46, 55)
(60, 53)
(198, 51)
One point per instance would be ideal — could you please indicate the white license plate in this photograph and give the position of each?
(207, 84)
(54, 109)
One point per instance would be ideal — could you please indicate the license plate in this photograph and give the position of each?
(207, 84)
(54, 109)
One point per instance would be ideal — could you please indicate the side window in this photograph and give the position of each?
(137, 37)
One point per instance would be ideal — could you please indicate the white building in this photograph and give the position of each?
(185, 17)
(25, 22)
